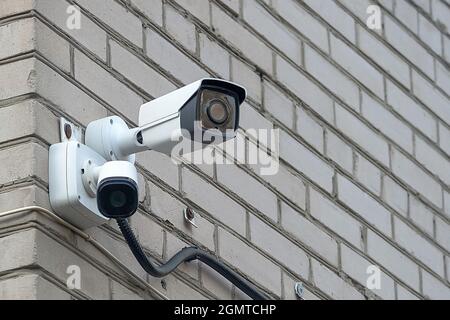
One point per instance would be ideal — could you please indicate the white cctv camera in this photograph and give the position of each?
(115, 186)
(94, 182)
(208, 105)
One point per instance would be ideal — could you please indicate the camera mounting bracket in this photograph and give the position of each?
(68, 195)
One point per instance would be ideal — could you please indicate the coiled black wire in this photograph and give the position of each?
(186, 255)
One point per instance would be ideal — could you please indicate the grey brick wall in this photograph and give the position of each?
(364, 115)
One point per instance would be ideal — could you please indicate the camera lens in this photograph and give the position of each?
(217, 112)
(117, 197)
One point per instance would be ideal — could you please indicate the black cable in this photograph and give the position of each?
(186, 255)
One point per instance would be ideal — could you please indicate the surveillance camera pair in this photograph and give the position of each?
(94, 182)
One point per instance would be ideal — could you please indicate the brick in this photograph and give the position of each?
(413, 175)
(335, 218)
(443, 233)
(306, 162)
(411, 111)
(178, 289)
(429, 34)
(8, 8)
(170, 209)
(425, 5)
(251, 119)
(148, 232)
(383, 56)
(339, 151)
(336, 17)
(309, 234)
(405, 294)
(164, 53)
(17, 37)
(24, 161)
(431, 97)
(52, 46)
(357, 66)
(181, 29)
(214, 56)
(139, 72)
(395, 196)
(277, 104)
(408, 46)
(117, 247)
(332, 284)
(241, 38)
(408, 15)
(23, 255)
(28, 117)
(362, 135)
(447, 203)
(433, 160)
(364, 205)
(250, 261)
(241, 73)
(447, 49)
(279, 247)
(289, 290)
(17, 78)
(447, 261)
(153, 9)
(160, 165)
(173, 246)
(357, 266)
(393, 260)
(289, 184)
(368, 174)
(309, 129)
(129, 26)
(199, 10)
(302, 21)
(274, 31)
(232, 4)
(387, 123)
(331, 77)
(68, 97)
(421, 215)
(215, 283)
(56, 258)
(433, 288)
(443, 77)
(120, 292)
(248, 189)
(89, 35)
(107, 87)
(305, 89)
(30, 287)
(213, 201)
(440, 14)
(23, 197)
(418, 246)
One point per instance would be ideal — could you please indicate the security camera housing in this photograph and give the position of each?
(210, 105)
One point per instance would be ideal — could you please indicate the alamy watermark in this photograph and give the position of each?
(262, 153)
(73, 281)
(374, 21)
(374, 277)
(73, 21)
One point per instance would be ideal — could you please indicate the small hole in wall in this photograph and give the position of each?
(164, 284)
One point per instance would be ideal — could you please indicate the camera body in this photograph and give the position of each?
(98, 180)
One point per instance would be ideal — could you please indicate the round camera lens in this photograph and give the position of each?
(118, 199)
(217, 112)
